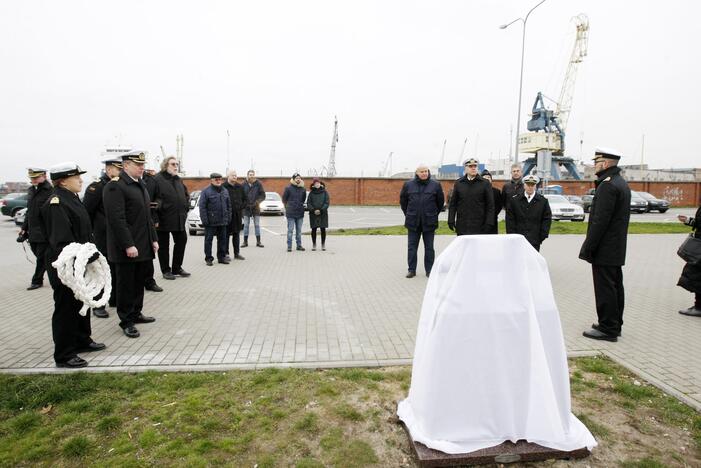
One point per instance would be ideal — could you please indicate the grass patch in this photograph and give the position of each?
(293, 417)
(557, 227)
(643, 463)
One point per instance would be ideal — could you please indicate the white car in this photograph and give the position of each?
(272, 204)
(194, 223)
(562, 208)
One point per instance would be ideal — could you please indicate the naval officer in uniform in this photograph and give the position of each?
(131, 239)
(96, 209)
(605, 244)
(65, 220)
(31, 230)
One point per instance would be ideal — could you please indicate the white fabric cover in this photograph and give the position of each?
(490, 363)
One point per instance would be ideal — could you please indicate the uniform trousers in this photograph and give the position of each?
(130, 290)
(429, 252)
(179, 242)
(39, 250)
(71, 331)
(609, 294)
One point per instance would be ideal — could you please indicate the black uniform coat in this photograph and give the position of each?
(607, 233)
(531, 220)
(238, 203)
(498, 205)
(36, 197)
(472, 202)
(92, 200)
(691, 274)
(172, 202)
(510, 189)
(65, 220)
(421, 201)
(129, 223)
(318, 199)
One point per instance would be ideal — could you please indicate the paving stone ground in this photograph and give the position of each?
(348, 306)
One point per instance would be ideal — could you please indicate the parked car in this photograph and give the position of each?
(12, 203)
(637, 203)
(272, 204)
(586, 202)
(19, 216)
(193, 222)
(563, 209)
(575, 200)
(654, 203)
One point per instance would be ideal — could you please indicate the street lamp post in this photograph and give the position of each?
(520, 84)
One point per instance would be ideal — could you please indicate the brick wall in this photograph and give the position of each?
(378, 191)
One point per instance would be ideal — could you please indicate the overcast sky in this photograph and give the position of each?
(400, 75)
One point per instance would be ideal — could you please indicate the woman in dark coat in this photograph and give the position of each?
(497, 202)
(65, 220)
(318, 206)
(691, 274)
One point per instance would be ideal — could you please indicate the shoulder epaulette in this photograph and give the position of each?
(54, 201)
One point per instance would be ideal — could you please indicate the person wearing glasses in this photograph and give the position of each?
(471, 207)
(215, 214)
(170, 214)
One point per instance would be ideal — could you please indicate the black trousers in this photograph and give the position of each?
(39, 250)
(179, 242)
(609, 294)
(222, 242)
(235, 240)
(130, 290)
(148, 275)
(71, 331)
(429, 252)
(323, 236)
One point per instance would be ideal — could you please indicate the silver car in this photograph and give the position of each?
(562, 208)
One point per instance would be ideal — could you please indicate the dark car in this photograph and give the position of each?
(638, 203)
(587, 199)
(654, 203)
(12, 203)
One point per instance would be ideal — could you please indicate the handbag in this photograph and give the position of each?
(690, 250)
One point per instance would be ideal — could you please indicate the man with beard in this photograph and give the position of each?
(421, 200)
(172, 204)
(32, 230)
(96, 210)
(255, 193)
(605, 244)
(238, 202)
(131, 239)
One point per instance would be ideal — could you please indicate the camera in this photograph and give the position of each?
(23, 236)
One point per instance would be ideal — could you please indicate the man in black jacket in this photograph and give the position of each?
(255, 194)
(92, 200)
(529, 214)
(471, 207)
(421, 200)
(150, 184)
(238, 202)
(512, 187)
(498, 202)
(215, 214)
(131, 239)
(605, 244)
(37, 195)
(172, 204)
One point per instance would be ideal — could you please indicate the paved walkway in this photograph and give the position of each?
(348, 306)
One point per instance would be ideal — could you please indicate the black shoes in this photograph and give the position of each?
(595, 326)
(92, 347)
(144, 319)
(411, 274)
(168, 275)
(209, 262)
(182, 273)
(100, 312)
(245, 244)
(153, 287)
(224, 260)
(239, 257)
(691, 312)
(36, 286)
(323, 247)
(595, 334)
(73, 363)
(300, 248)
(258, 244)
(131, 332)
(313, 247)
(289, 249)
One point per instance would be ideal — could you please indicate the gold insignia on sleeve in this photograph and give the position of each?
(91, 188)
(54, 201)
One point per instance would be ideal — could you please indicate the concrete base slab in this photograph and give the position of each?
(507, 452)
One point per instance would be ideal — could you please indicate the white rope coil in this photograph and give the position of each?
(86, 280)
